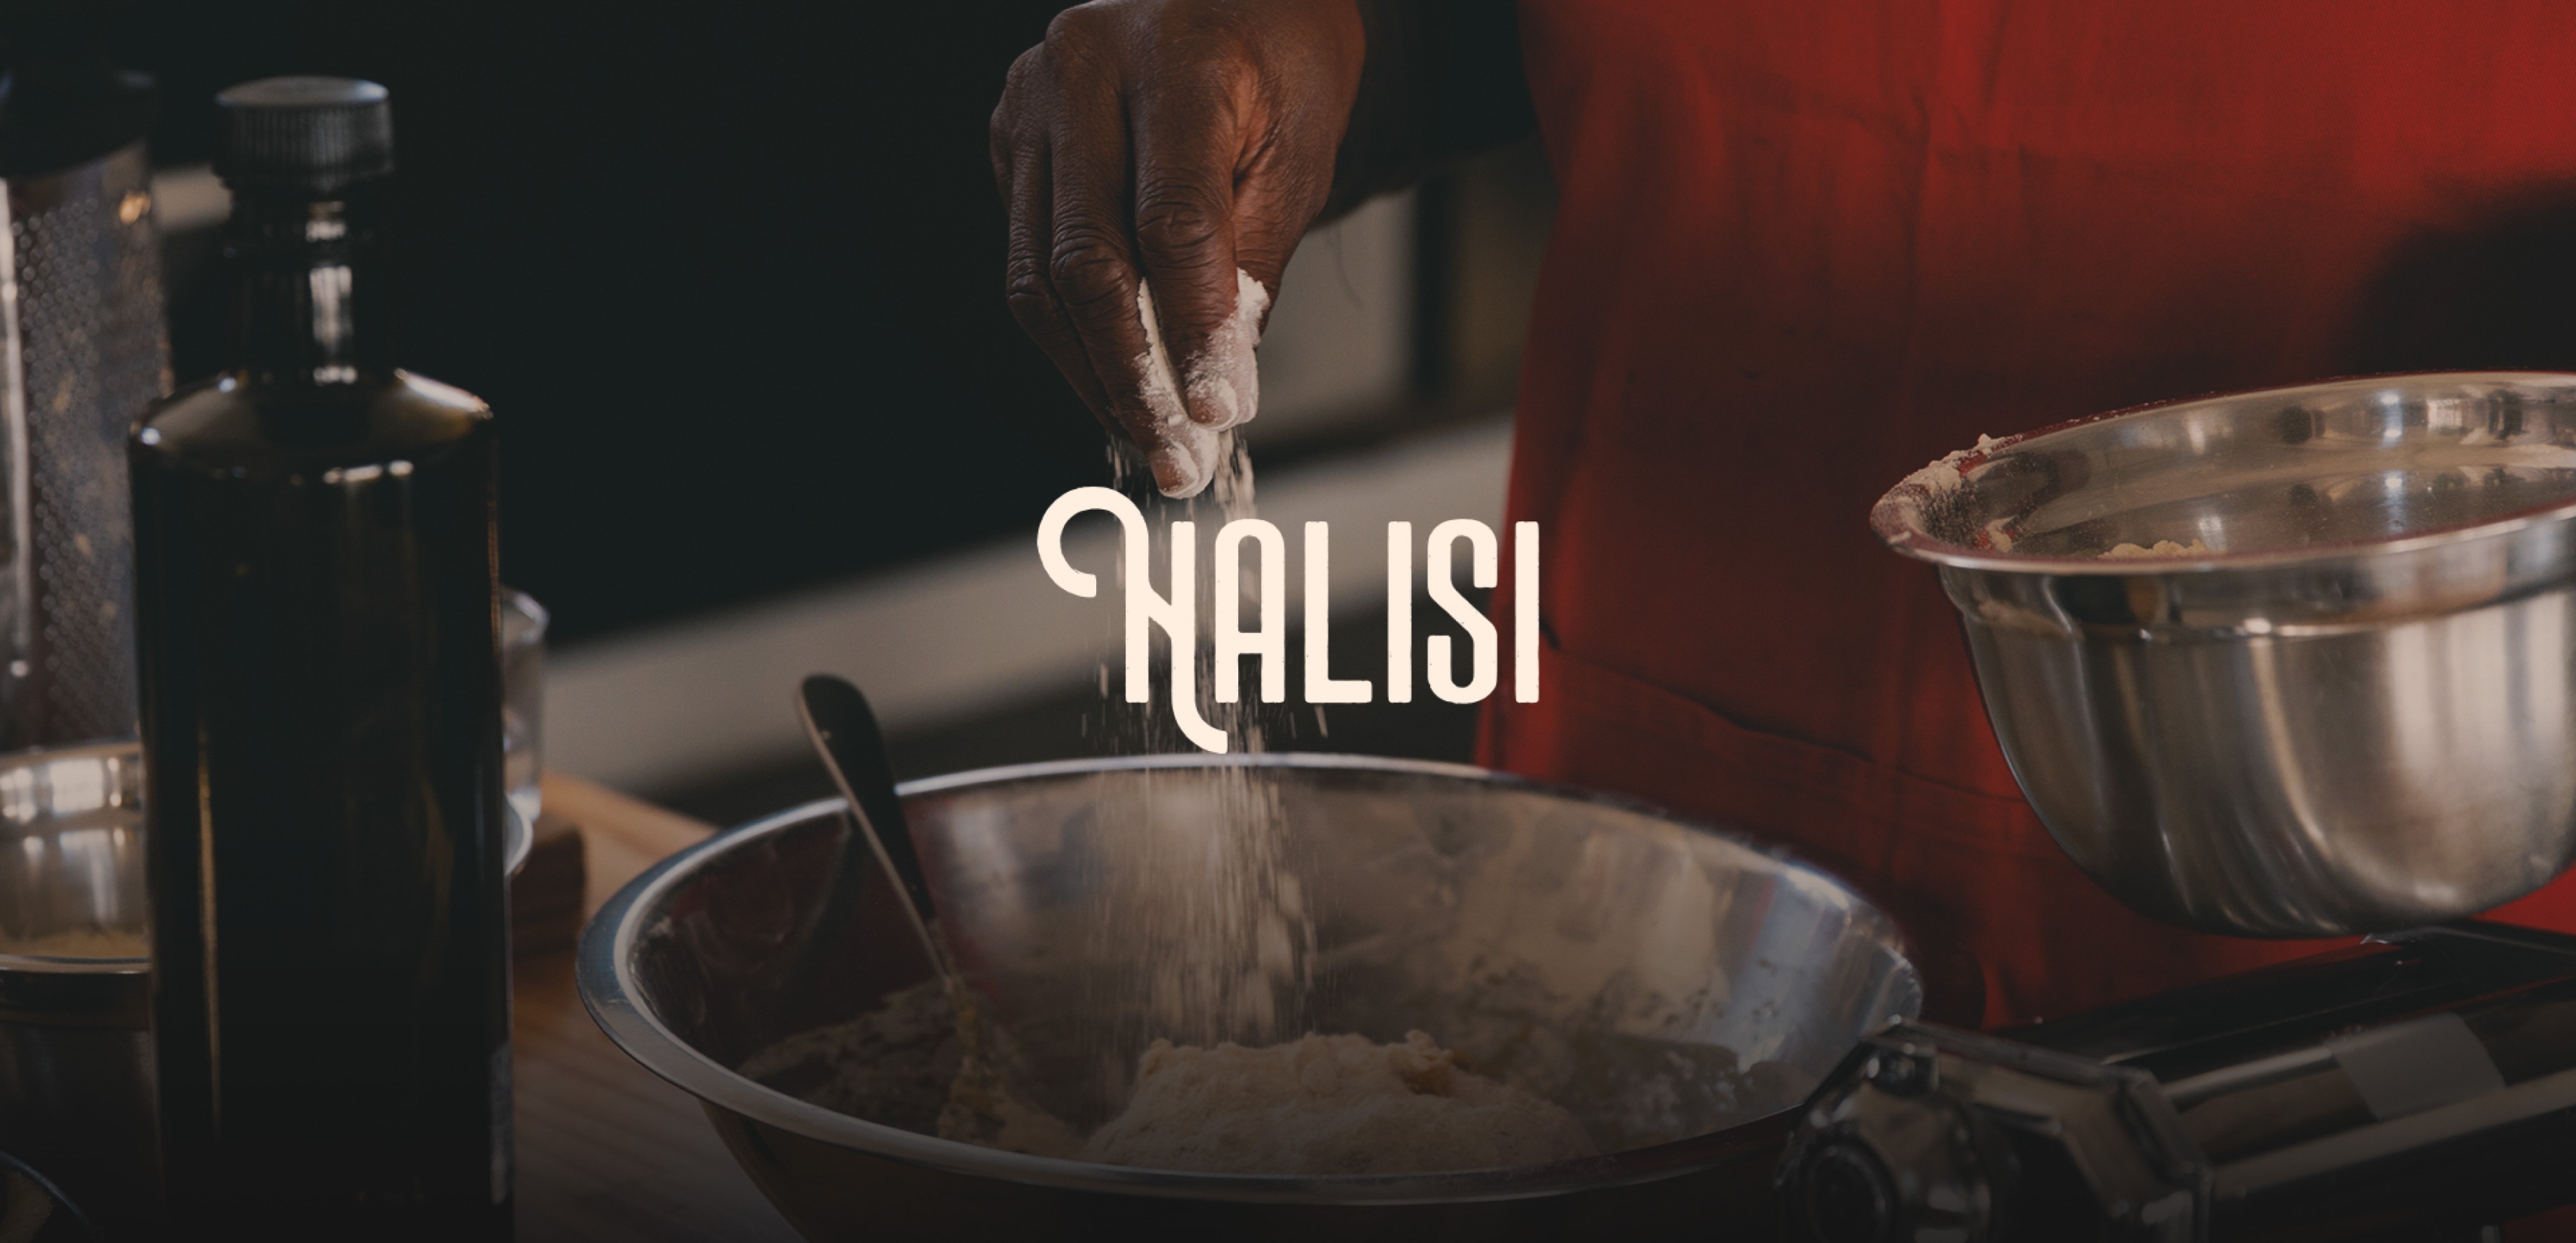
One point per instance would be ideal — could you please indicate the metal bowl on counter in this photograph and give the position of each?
(75, 974)
(1637, 959)
(2293, 662)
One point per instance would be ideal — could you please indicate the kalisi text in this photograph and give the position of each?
(1176, 611)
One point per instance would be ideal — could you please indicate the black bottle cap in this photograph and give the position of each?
(303, 136)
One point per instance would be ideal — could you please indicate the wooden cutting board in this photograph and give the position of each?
(608, 1152)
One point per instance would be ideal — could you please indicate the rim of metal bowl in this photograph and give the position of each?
(1888, 519)
(606, 982)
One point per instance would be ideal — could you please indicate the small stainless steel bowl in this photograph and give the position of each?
(75, 1049)
(75, 1056)
(1503, 916)
(2355, 713)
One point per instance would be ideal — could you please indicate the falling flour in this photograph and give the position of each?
(1945, 474)
(1197, 899)
(1198, 888)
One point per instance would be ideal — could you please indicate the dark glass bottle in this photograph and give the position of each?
(317, 588)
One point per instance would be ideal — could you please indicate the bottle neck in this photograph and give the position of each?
(304, 290)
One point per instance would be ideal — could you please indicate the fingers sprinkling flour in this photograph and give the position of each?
(1225, 378)
(1223, 388)
(1184, 455)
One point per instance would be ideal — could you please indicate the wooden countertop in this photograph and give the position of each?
(607, 1151)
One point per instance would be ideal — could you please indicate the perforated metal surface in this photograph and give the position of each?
(81, 301)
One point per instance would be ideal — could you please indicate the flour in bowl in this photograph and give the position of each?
(1327, 1105)
(1945, 475)
(1320, 1105)
(2163, 549)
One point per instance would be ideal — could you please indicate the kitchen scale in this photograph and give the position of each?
(2345, 704)
(2420, 1085)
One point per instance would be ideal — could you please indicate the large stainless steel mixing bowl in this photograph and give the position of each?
(2355, 713)
(1599, 950)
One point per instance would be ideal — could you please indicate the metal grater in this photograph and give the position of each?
(83, 347)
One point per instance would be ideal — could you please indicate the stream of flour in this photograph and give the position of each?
(1203, 895)
(1202, 945)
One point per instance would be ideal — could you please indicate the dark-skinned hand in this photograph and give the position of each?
(1149, 151)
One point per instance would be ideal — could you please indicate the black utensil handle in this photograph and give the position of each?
(839, 715)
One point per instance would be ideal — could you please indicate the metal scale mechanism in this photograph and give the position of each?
(2345, 712)
(2418, 1086)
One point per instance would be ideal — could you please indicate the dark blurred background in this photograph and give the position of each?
(730, 273)
(731, 277)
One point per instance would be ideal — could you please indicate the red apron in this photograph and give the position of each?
(1803, 248)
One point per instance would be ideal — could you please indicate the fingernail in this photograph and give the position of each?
(1214, 403)
(1225, 377)
(1176, 472)
(1207, 449)
(1224, 383)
